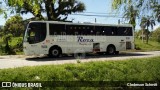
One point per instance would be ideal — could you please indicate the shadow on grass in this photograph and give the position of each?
(88, 56)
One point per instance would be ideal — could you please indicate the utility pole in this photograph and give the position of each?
(95, 20)
(119, 21)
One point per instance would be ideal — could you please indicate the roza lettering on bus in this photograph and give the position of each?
(81, 39)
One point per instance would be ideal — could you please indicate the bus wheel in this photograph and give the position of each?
(54, 52)
(110, 50)
(117, 52)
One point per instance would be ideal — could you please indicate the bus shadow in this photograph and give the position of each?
(88, 56)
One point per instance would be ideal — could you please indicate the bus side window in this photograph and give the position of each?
(108, 30)
(120, 31)
(43, 31)
(63, 33)
(70, 30)
(32, 33)
(128, 31)
(103, 31)
(114, 31)
(76, 30)
(124, 31)
(91, 32)
(97, 30)
(97, 33)
(56, 29)
(76, 33)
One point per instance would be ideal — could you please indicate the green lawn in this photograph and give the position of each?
(152, 45)
(146, 69)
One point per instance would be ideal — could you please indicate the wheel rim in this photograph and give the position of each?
(55, 52)
(111, 50)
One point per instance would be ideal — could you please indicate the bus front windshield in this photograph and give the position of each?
(36, 32)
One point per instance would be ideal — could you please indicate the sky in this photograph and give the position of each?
(96, 6)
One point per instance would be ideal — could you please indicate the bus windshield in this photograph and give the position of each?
(35, 32)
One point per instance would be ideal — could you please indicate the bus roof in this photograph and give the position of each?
(93, 24)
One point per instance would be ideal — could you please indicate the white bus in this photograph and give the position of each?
(55, 38)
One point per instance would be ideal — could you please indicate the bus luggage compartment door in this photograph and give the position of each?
(96, 47)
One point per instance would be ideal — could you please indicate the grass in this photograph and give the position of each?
(151, 46)
(146, 69)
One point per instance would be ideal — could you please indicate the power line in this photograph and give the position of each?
(99, 15)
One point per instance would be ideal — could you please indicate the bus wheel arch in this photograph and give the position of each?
(111, 49)
(55, 51)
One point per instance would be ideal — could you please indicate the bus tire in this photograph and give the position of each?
(55, 52)
(117, 52)
(111, 50)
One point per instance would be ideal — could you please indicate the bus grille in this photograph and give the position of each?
(128, 45)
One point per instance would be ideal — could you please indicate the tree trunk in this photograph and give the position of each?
(142, 35)
(47, 6)
(49, 9)
(7, 48)
(147, 36)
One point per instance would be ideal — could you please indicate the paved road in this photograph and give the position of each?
(20, 61)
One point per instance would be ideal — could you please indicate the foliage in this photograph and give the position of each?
(145, 69)
(1, 10)
(117, 3)
(145, 23)
(14, 26)
(6, 39)
(144, 6)
(17, 44)
(156, 35)
(131, 13)
(14, 43)
(54, 9)
(156, 9)
(139, 34)
(151, 46)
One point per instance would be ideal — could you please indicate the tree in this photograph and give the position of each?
(146, 22)
(117, 3)
(144, 6)
(54, 9)
(156, 9)
(158, 19)
(6, 40)
(1, 10)
(156, 35)
(130, 14)
(14, 26)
